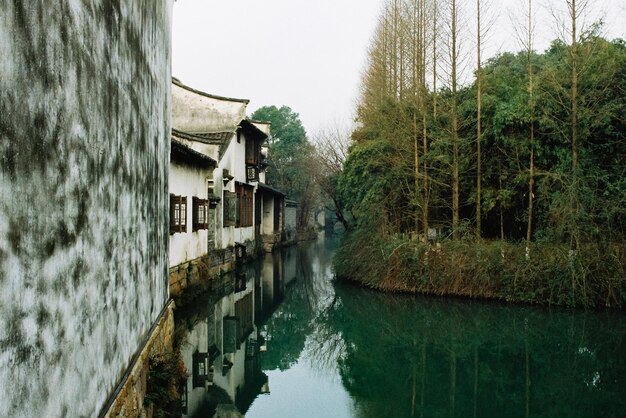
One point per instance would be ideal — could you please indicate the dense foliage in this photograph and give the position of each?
(290, 155)
(399, 179)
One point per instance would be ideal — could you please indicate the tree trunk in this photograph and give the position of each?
(417, 171)
(500, 199)
(435, 59)
(455, 139)
(531, 106)
(574, 54)
(424, 123)
(478, 126)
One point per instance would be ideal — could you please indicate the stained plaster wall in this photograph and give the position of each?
(197, 113)
(187, 180)
(233, 161)
(265, 128)
(240, 173)
(267, 220)
(84, 153)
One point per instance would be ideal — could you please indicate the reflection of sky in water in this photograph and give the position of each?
(311, 386)
(303, 391)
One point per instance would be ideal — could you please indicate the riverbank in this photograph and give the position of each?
(548, 274)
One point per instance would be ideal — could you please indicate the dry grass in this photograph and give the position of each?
(595, 276)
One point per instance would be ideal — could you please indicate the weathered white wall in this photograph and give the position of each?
(84, 154)
(234, 161)
(237, 152)
(267, 223)
(194, 112)
(186, 180)
(210, 150)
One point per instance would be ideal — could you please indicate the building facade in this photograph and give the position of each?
(84, 156)
(245, 215)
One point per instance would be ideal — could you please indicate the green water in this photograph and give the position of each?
(336, 351)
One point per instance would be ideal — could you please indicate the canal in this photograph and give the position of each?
(282, 339)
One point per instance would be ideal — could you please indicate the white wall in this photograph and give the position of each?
(188, 181)
(267, 226)
(194, 112)
(210, 150)
(84, 156)
(234, 161)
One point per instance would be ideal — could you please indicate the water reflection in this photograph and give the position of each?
(223, 339)
(436, 357)
(327, 349)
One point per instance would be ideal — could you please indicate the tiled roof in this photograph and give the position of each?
(218, 136)
(264, 187)
(202, 93)
(183, 153)
(206, 137)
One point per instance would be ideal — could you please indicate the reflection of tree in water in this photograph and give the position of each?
(417, 356)
(432, 357)
(297, 317)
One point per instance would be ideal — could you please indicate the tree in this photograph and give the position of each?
(480, 29)
(290, 156)
(453, 55)
(525, 30)
(331, 151)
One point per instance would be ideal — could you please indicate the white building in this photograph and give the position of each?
(247, 212)
(190, 174)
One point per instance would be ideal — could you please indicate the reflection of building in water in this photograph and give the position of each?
(278, 270)
(224, 340)
(289, 264)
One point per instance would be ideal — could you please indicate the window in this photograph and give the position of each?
(253, 149)
(200, 214)
(245, 198)
(178, 214)
(252, 173)
(200, 373)
(253, 153)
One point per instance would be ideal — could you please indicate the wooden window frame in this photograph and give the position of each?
(252, 152)
(200, 214)
(245, 197)
(178, 214)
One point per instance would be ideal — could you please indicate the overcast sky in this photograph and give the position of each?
(308, 54)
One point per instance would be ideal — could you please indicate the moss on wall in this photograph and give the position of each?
(84, 154)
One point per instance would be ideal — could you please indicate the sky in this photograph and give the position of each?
(309, 54)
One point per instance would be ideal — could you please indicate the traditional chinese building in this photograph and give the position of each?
(244, 215)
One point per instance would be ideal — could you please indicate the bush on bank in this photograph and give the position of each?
(593, 276)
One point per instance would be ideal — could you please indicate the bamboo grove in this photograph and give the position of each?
(527, 149)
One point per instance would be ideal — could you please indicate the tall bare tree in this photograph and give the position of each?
(478, 122)
(454, 62)
(331, 150)
(528, 46)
